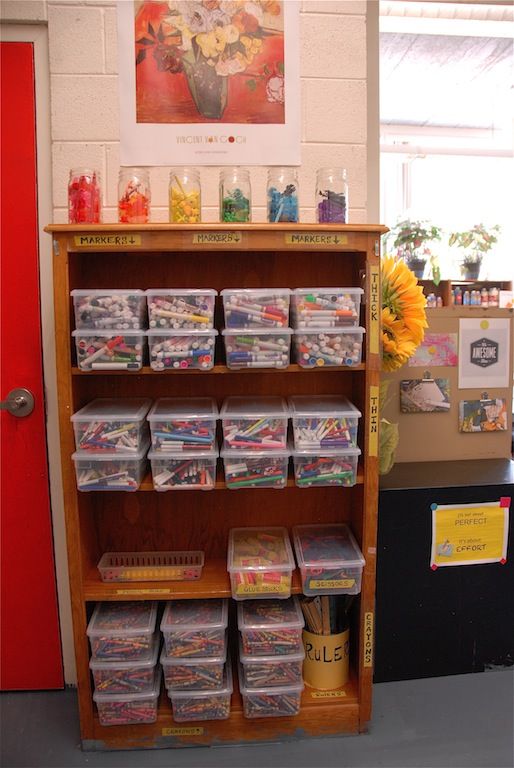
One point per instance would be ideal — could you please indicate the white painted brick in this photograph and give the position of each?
(60, 216)
(111, 41)
(75, 40)
(112, 167)
(359, 216)
(85, 108)
(334, 111)
(66, 156)
(333, 47)
(23, 10)
(335, 6)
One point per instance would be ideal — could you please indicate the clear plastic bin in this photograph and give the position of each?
(186, 308)
(283, 701)
(109, 471)
(188, 471)
(252, 348)
(112, 425)
(255, 469)
(109, 309)
(193, 674)
(254, 423)
(327, 466)
(323, 421)
(171, 351)
(271, 671)
(129, 708)
(328, 346)
(329, 559)
(109, 350)
(260, 562)
(183, 423)
(325, 307)
(256, 307)
(122, 631)
(151, 566)
(125, 676)
(270, 627)
(195, 628)
(203, 705)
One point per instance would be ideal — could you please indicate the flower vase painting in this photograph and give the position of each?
(213, 73)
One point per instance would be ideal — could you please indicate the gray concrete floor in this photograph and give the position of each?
(464, 721)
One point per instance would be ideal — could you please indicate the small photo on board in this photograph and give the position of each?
(424, 395)
(483, 415)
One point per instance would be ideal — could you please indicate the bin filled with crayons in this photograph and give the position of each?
(122, 631)
(129, 708)
(260, 562)
(270, 627)
(266, 701)
(191, 705)
(326, 640)
(195, 628)
(182, 674)
(125, 676)
(272, 671)
(329, 559)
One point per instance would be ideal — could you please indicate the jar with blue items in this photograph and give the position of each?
(283, 195)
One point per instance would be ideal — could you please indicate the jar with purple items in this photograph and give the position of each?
(331, 196)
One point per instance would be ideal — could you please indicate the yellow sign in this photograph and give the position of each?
(192, 731)
(373, 421)
(255, 589)
(331, 583)
(469, 534)
(328, 694)
(143, 591)
(374, 309)
(217, 238)
(99, 241)
(368, 639)
(315, 238)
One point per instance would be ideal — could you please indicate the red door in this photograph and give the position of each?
(29, 631)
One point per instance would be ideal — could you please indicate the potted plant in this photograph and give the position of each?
(411, 239)
(474, 243)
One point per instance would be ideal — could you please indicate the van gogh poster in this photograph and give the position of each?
(484, 353)
(209, 82)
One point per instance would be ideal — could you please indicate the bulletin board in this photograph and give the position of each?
(435, 436)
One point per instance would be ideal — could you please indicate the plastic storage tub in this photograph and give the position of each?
(260, 562)
(190, 349)
(282, 701)
(195, 628)
(254, 423)
(183, 423)
(109, 350)
(326, 466)
(203, 705)
(325, 307)
(109, 309)
(270, 627)
(151, 566)
(271, 671)
(125, 676)
(253, 348)
(110, 425)
(109, 471)
(329, 559)
(323, 421)
(328, 346)
(189, 471)
(122, 631)
(255, 469)
(185, 308)
(129, 708)
(193, 674)
(256, 307)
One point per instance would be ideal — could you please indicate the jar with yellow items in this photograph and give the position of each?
(185, 196)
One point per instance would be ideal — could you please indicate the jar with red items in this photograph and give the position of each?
(84, 195)
(133, 196)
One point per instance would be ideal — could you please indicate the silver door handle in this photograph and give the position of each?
(19, 402)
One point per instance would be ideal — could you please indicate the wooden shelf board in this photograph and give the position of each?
(217, 369)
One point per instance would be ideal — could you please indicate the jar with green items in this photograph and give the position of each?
(235, 195)
(283, 195)
(331, 196)
(185, 196)
(133, 196)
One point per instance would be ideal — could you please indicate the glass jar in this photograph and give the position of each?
(84, 194)
(133, 196)
(235, 195)
(185, 196)
(331, 196)
(283, 195)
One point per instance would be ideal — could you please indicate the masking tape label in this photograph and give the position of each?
(217, 238)
(182, 731)
(315, 238)
(107, 240)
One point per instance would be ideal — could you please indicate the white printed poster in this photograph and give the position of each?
(484, 353)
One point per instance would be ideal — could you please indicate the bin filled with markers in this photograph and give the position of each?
(111, 425)
(323, 421)
(191, 470)
(314, 468)
(264, 468)
(329, 559)
(102, 350)
(109, 309)
(183, 424)
(325, 307)
(181, 349)
(257, 347)
(256, 307)
(110, 471)
(316, 348)
(254, 423)
(186, 309)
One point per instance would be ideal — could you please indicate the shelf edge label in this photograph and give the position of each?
(368, 639)
(155, 591)
(191, 731)
(99, 241)
(374, 309)
(217, 238)
(374, 393)
(315, 238)
(328, 694)
(331, 583)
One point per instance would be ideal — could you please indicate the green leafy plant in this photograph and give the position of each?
(475, 242)
(411, 240)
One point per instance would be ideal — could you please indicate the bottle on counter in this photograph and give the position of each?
(185, 203)
(235, 195)
(331, 196)
(84, 196)
(282, 193)
(134, 196)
